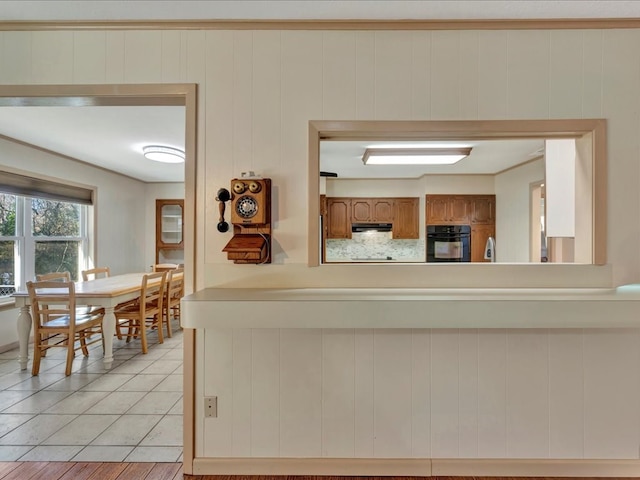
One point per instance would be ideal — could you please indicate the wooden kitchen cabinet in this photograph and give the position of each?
(483, 209)
(338, 218)
(372, 210)
(447, 209)
(169, 234)
(406, 218)
(479, 235)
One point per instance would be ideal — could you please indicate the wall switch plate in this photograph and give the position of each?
(210, 407)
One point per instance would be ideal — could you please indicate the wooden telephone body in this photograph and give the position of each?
(251, 220)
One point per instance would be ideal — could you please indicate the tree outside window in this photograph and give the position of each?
(52, 240)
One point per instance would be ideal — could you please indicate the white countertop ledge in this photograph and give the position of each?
(413, 308)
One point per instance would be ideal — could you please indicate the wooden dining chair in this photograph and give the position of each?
(59, 323)
(93, 273)
(174, 291)
(54, 277)
(146, 313)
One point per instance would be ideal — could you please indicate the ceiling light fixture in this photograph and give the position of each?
(163, 154)
(414, 156)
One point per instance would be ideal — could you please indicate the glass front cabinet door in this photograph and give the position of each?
(169, 235)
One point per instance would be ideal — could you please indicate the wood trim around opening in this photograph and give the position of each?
(139, 95)
(462, 130)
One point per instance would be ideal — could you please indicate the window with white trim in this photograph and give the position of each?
(43, 231)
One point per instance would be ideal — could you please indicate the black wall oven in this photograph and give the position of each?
(448, 243)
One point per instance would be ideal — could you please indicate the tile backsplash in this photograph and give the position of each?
(371, 246)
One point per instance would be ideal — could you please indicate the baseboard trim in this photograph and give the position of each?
(404, 467)
(417, 467)
(580, 468)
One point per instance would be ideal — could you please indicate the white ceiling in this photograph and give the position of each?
(487, 157)
(111, 136)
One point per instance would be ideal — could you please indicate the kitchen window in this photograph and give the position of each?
(41, 234)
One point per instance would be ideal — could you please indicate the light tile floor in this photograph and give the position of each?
(130, 413)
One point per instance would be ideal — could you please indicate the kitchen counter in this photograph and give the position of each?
(413, 308)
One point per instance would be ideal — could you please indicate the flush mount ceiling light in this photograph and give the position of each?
(163, 154)
(414, 156)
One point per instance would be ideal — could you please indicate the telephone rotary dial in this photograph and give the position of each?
(246, 206)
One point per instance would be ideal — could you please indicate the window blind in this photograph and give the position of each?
(17, 184)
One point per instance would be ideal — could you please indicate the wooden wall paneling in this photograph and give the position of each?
(265, 398)
(592, 74)
(143, 57)
(566, 394)
(620, 104)
(392, 393)
(242, 115)
(468, 64)
(365, 75)
(393, 68)
(218, 149)
(301, 89)
(364, 393)
(493, 75)
(338, 76)
(338, 393)
(242, 393)
(52, 57)
(468, 393)
(528, 74)
(301, 393)
(565, 74)
(492, 393)
(267, 105)
(217, 376)
(445, 422)
(611, 393)
(114, 57)
(445, 75)
(421, 393)
(16, 51)
(89, 57)
(173, 63)
(420, 78)
(527, 393)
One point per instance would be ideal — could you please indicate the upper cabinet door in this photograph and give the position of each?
(169, 222)
(361, 210)
(382, 210)
(437, 209)
(459, 209)
(483, 209)
(338, 218)
(406, 222)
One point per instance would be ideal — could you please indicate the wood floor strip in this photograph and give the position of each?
(26, 471)
(79, 471)
(165, 471)
(7, 467)
(108, 471)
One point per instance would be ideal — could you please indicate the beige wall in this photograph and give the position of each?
(385, 393)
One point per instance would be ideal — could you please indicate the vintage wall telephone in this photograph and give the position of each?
(251, 219)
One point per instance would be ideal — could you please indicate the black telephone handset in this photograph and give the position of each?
(222, 197)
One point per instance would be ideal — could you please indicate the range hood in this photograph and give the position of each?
(371, 227)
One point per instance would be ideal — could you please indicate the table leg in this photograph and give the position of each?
(24, 331)
(108, 330)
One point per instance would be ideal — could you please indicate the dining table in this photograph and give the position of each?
(102, 292)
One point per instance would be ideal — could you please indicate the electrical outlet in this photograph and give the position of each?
(211, 407)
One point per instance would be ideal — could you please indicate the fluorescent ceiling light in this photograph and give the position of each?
(163, 154)
(414, 156)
